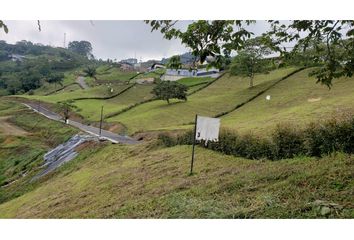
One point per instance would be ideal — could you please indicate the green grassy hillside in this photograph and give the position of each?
(140, 182)
(151, 181)
(24, 141)
(220, 96)
(114, 74)
(90, 109)
(297, 100)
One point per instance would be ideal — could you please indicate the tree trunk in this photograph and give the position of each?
(168, 101)
(251, 81)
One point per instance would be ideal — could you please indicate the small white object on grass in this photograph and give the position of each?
(268, 97)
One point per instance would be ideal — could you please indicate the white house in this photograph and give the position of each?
(176, 74)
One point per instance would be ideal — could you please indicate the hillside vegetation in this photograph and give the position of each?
(140, 182)
(220, 96)
(21, 152)
(297, 100)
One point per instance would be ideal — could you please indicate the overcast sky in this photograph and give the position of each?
(109, 39)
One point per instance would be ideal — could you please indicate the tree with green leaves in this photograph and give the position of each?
(175, 62)
(246, 64)
(90, 71)
(83, 48)
(56, 78)
(250, 60)
(215, 39)
(332, 38)
(166, 90)
(65, 108)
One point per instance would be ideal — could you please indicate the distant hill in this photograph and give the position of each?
(26, 66)
(186, 58)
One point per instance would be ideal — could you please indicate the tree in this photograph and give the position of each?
(246, 64)
(13, 85)
(56, 78)
(331, 40)
(250, 60)
(220, 38)
(83, 48)
(166, 90)
(174, 62)
(216, 39)
(4, 26)
(65, 107)
(90, 71)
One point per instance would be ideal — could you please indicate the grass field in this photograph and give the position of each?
(220, 96)
(90, 109)
(68, 94)
(140, 182)
(304, 102)
(151, 181)
(22, 154)
(115, 74)
(190, 82)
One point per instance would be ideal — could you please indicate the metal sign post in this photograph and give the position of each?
(195, 130)
(101, 121)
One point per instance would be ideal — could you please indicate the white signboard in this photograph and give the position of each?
(207, 129)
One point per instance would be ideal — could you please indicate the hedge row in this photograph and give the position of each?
(105, 98)
(259, 93)
(59, 89)
(207, 84)
(286, 141)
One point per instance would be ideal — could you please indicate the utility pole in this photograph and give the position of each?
(101, 120)
(64, 40)
(194, 133)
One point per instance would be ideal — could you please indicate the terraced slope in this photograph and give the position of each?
(67, 94)
(90, 109)
(220, 96)
(297, 100)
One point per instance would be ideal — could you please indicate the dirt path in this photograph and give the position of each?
(81, 81)
(7, 128)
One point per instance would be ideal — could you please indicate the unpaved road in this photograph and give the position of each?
(7, 128)
(113, 137)
(81, 81)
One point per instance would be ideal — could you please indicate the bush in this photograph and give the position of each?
(166, 140)
(288, 142)
(167, 90)
(285, 142)
(330, 136)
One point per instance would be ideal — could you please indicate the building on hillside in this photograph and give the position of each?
(17, 57)
(176, 74)
(126, 66)
(131, 61)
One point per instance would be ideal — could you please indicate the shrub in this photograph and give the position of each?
(167, 90)
(285, 142)
(166, 140)
(330, 136)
